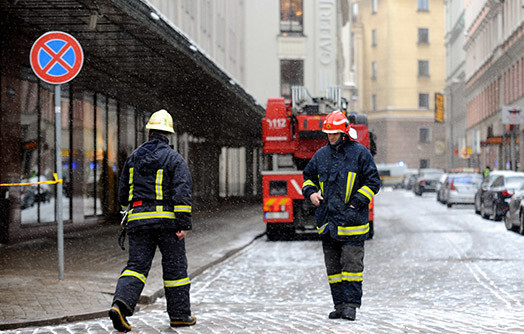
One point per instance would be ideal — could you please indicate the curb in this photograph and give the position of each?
(143, 300)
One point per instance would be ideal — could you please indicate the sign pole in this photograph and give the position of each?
(59, 192)
(56, 58)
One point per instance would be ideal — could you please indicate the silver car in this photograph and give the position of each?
(514, 218)
(460, 188)
(440, 188)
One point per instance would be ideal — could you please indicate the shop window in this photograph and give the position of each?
(38, 159)
(291, 16)
(291, 74)
(101, 159)
(89, 160)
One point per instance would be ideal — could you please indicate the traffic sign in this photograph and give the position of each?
(56, 57)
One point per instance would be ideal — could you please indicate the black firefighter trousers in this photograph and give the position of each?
(142, 247)
(344, 265)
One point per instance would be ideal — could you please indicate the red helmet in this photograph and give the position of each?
(335, 122)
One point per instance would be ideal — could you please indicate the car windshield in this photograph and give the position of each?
(514, 181)
(467, 179)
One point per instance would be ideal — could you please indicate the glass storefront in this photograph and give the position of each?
(94, 127)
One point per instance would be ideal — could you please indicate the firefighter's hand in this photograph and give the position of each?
(315, 198)
(181, 234)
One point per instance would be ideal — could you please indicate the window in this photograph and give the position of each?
(423, 36)
(423, 68)
(374, 37)
(374, 6)
(498, 182)
(354, 13)
(373, 70)
(424, 163)
(291, 74)
(423, 135)
(374, 102)
(423, 5)
(423, 100)
(291, 16)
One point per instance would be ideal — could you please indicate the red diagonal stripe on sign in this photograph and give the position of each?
(57, 58)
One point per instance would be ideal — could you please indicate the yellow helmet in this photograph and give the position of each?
(161, 120)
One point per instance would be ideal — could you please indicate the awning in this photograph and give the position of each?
(137, 56)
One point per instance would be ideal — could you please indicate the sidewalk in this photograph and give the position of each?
(32, 295)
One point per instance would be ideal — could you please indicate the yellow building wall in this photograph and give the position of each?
(398, 118)
(397, 53)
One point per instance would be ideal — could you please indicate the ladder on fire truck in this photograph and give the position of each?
(302, 102)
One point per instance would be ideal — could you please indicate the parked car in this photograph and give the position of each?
(486, 182)
(498, 194)
(439, 188)
(460, 188)
(409, 179)
(426, 180)
(514, 217)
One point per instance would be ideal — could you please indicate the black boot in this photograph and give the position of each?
(337, 313)
(348, 313)
(118, 317)
(183, 320)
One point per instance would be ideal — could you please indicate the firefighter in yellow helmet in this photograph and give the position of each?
(155, 187)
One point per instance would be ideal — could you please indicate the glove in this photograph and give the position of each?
(122, 238)
(356, 203)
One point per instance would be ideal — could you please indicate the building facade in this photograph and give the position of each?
(136, 60)
(399, 57)
(494, 80)
(458, 153)
(294, 42)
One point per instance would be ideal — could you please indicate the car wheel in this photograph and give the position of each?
(477, 209)
(494, 214)
(507, 222)
(483, 211)
(449, 205)
(521, 225)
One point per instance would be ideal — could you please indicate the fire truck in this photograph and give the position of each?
(292, 133)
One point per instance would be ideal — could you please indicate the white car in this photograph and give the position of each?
(460, 188)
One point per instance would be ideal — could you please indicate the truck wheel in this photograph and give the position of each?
(279, 231)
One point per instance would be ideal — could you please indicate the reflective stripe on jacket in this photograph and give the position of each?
(156, 184)
(347, 175)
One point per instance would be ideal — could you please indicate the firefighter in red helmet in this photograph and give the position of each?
(340, 180)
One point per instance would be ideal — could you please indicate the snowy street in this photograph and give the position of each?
(429, 269)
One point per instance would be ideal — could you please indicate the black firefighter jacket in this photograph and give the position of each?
(156, 184)
(345, 175)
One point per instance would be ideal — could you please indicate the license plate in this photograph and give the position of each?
(276, 215)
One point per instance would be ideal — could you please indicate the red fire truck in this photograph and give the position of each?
(292, 134)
